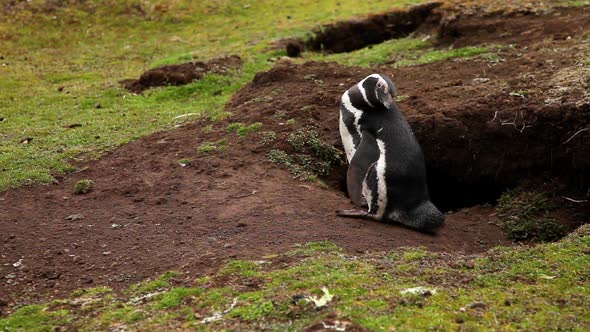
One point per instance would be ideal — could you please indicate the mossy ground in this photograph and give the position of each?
(542, 288)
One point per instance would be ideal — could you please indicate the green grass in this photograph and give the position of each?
(83, 186)
(63, 64)
(243, 130)
(521, 288)
(209, 147)
(398, 52)
(372, 55)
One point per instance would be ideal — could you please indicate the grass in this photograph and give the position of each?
(208, 147)
(83, 186)
(521, 288)
(398, 52)
(243, 130)
(310, 157)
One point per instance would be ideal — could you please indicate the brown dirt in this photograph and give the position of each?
(181, 74)
(148, 215)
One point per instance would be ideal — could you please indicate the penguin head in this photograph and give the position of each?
(379, 90)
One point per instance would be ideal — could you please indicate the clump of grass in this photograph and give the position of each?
(83, 186)
(268, 137)
(218, 146)
(207, 129)
(279, 157)
(243, 130)
(525, 217)
(308, 138)
(313, 158)
(184, 162)
(280, 114)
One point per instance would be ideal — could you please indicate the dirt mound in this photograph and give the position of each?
(346, 36)
(181, 74)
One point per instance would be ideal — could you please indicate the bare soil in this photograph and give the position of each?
(484, 124)
(181, 74)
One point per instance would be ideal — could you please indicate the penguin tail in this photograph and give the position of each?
(425, 217)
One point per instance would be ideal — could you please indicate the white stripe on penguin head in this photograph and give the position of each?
(383, 82)
(362, 88)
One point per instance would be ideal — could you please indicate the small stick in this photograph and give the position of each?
(495, 115)
(244, 195)
(184, 115)
(574, 135)
(575, 200)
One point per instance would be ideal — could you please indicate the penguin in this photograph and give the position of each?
(386, 164)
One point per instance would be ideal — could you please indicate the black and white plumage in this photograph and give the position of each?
(386, 165)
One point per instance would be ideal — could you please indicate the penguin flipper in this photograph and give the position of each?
(366, 155)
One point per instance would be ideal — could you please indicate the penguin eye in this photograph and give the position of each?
(379, 85)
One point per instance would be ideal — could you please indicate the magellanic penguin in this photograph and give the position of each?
(386, 164)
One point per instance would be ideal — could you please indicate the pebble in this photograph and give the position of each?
(75, 217)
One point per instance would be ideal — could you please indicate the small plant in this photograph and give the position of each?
(313, 78)
(83, 186)
(291, 121)
(519, 93)
(307, 108)
(525, 217)
(280, 115)
(243, 130)
(213, 146)
(207, 129)
(220, 116)
(279, 157)
(184, 162)
(493, 58)
(401, 98)
(268, 137)
(313, 158)
(308, 137)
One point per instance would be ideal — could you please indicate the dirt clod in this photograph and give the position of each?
(181, 74)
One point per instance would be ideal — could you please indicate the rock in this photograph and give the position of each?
(75, 217)
(477, 305)
(294, 49)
